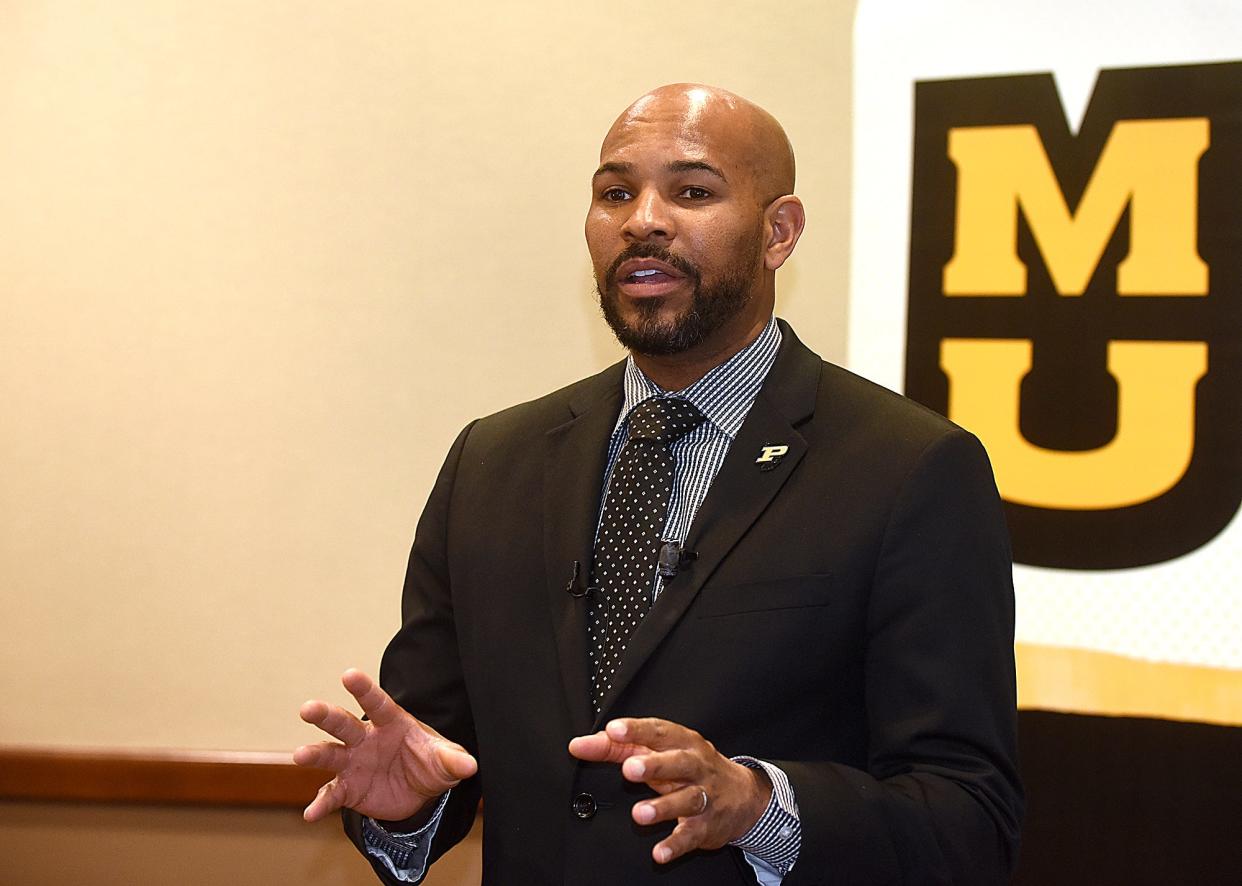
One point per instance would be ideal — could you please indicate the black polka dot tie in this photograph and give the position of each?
(628, 543)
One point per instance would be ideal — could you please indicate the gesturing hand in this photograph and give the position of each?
(713, 799)
(387, 768)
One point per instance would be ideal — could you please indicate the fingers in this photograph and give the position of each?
(687, 836)
(329, 799)
(322, 755)
(623, 738)
(657, 734)
(676, 765)
(600, 748)
(336, 721)
(686, 802)
(712, 799)
(455, 761)
(375, 702)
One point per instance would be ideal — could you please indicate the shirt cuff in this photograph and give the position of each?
(404, 854)
(776, 837)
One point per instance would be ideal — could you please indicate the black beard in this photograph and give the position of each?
(648, 334)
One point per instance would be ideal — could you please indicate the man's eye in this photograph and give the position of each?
(696, 193)
(615, 195)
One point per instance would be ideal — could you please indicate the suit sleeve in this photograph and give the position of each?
(421, 668)
(940, 801)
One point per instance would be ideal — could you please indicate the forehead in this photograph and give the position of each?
(656, 132)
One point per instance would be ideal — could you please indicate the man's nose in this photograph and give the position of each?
(649, 218)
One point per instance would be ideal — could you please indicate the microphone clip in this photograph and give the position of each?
(673, 558)
(577, 587)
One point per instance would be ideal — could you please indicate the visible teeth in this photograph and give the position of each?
(645, 273)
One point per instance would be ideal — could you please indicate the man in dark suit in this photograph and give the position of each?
(819, 687)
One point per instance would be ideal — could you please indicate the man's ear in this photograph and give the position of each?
(784, 220)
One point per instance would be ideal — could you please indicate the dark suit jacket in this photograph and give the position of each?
(849, 617)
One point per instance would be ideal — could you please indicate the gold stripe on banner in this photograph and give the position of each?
(1082, 681)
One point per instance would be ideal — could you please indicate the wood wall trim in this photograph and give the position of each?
(210, 778)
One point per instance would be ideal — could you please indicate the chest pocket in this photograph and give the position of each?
(797, 592)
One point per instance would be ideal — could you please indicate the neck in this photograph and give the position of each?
(675, 372)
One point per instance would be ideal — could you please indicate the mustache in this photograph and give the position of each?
(651, 250)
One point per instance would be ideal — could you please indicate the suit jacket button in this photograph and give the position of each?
(583, 806)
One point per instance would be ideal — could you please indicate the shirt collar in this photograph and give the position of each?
(724, 395)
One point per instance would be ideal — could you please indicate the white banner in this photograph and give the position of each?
(1073, 276)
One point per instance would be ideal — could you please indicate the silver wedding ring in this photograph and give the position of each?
(703, 804)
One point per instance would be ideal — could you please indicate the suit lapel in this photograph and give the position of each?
(575, 456)
(738, 496)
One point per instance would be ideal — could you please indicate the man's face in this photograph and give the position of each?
(675, 230)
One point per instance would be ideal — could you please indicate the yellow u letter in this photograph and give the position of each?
(1146, 457)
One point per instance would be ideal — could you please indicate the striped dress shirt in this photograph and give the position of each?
(724, 396)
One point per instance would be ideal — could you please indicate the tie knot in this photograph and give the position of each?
(665, 419)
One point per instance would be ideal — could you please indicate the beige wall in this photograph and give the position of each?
(259, 263)
(175, 846)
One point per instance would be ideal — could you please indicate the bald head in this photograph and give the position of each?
(739, 129)
(691, 215)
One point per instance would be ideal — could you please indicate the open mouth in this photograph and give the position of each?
(648, 276)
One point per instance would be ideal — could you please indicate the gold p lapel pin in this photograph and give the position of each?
(770, 456)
